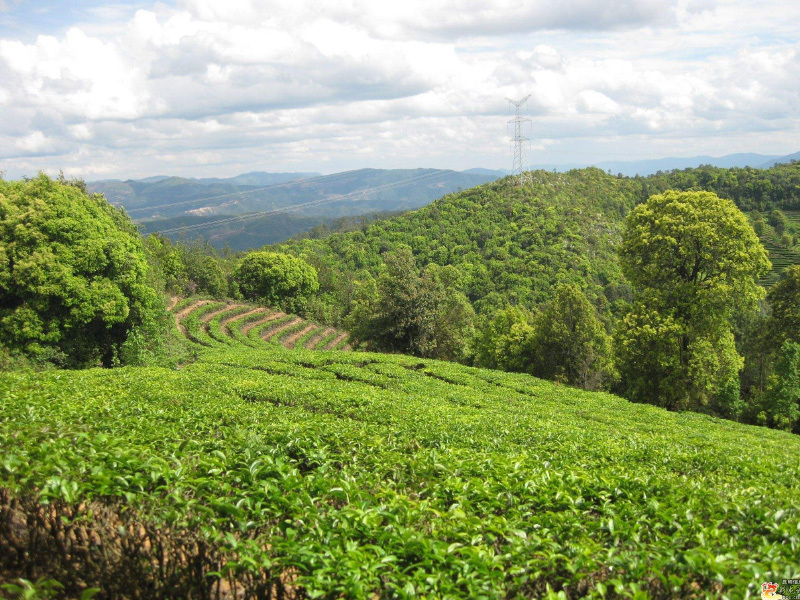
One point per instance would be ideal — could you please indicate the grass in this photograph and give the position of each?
(322, 474)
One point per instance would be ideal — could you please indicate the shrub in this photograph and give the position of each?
(277, 279)
(72, 274)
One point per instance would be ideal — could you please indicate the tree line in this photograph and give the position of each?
(80, 287)
(693, 261)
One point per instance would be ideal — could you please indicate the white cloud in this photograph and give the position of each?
(77, 76)
(596, 102)
(33, 143)
(81, 131)
(288, 84)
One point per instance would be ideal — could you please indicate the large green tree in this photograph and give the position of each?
(277, 279)
(72, 274)
(694, 260)
(569, 342)
(419, 313)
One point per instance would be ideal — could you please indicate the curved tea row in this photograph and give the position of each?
(217, 323)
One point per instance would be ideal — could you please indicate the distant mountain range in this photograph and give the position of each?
(781, 160)
(259, 208)
(266, 208)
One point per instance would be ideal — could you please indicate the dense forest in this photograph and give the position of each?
(512, 245)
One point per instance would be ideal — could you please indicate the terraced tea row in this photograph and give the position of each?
(214, 323)
(780, 257)
(297, 474)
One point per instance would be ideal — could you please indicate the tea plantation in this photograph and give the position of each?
(280, 473)
(212, 323)
(780, 256)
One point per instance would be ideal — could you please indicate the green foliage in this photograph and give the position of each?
(693, 247)
(778, 221)
(73, 276)
(204, 272)
(749, 188)
(503, 341)
(647, 346)
(510, 245)
(422, 314)
(355, 475)
(188, 269)
(513, 245)
(277, 279)
(569, 343)
(784, 300)
(695, 260)
(565, 342)
(783, 394)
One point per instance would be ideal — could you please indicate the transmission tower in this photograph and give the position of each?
(519, 140)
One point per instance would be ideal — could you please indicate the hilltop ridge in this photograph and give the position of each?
(512, 245)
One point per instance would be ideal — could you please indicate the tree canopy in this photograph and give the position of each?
(72, 274)
(408, 311)
(277, 279)
(694, 260)
(569, 343)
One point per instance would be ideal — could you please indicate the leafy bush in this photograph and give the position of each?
(73, 275)
(277, 280)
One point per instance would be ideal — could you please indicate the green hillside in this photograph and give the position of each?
(307, 474)
(512, 244)
(780, 257)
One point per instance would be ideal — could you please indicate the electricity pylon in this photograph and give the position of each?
(519, 140)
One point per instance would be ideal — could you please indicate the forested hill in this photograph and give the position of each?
(512, 244)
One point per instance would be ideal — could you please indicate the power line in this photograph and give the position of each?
(229, 195)
(519, 139)
(329, 199)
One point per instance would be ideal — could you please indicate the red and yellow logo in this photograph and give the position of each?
(769, 591)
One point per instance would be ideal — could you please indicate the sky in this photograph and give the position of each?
(208, 88)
